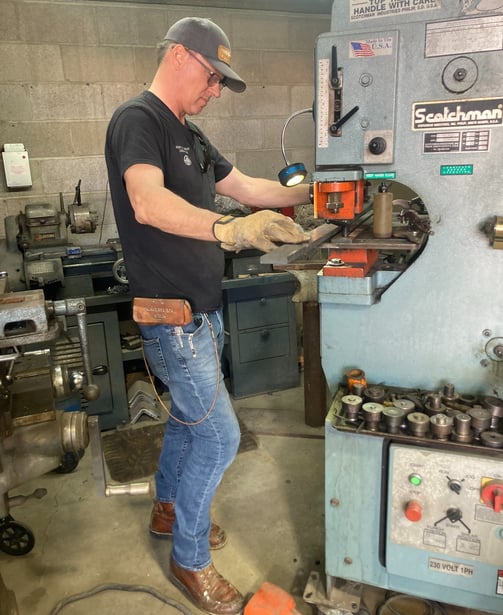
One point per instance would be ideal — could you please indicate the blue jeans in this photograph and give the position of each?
(194, 457)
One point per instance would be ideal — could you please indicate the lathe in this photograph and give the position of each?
(40, 251)
(407, 185)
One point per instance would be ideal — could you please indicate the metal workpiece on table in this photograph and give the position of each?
(288, 253)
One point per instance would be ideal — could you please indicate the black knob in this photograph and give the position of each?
(100, 370)
(377, 146)
(460, 74)
(455, 485)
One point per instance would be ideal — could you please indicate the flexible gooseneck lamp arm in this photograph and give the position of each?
(293, 173)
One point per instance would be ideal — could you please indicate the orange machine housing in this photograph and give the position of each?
(338, 200)
(355, 263)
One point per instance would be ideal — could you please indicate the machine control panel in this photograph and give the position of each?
(449, 506)
(355, 98)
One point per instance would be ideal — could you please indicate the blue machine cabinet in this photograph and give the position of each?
(450, 549)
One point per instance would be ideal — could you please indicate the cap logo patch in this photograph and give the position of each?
(224, 54)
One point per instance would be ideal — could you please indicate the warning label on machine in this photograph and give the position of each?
(499, 583)
(369, 9)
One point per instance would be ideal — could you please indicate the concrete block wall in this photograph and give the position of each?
(67, 64)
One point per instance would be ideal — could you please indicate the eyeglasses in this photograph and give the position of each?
(213, 78)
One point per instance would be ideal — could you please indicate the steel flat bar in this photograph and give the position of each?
(288, 253)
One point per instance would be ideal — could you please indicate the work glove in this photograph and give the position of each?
(260, 230)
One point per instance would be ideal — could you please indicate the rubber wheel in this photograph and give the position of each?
(15, 539)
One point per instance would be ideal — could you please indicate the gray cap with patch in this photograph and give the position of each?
(208, 39)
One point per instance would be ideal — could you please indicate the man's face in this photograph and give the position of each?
(202, 82)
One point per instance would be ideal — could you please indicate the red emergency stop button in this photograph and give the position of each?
(413, 511)
(492, 495)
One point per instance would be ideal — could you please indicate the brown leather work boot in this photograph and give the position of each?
(163, 518)
(207, 589)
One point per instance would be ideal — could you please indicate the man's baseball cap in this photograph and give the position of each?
(208, 39)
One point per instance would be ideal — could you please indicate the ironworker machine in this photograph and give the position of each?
(407, 185)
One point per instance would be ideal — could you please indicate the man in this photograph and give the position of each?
(164, 175)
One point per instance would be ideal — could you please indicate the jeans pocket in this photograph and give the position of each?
(154, 355)
(195, 325)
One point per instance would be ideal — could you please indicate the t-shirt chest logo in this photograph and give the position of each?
(185, 151)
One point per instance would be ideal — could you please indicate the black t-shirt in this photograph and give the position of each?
(159, 264)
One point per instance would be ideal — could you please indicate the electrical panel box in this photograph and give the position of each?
(17, 166)
(444, 519)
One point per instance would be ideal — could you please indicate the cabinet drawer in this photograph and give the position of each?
(264, 343)
(262, 312)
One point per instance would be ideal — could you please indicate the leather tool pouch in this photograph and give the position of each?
(161, 311)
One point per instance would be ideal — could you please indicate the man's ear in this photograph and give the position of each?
(179, 54)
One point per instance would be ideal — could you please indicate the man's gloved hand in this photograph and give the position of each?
(259, 230)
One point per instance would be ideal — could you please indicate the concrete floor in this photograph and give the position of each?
(271, 503)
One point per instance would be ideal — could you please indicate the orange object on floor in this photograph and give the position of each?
(270, 599)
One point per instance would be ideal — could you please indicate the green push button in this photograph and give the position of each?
(415, 479)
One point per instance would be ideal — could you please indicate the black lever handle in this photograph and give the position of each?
(336, 125)
(334, 76)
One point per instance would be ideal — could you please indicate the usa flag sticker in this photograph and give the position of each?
(370, 48)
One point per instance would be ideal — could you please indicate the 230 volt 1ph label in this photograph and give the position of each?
(457, 113)
(442, 565)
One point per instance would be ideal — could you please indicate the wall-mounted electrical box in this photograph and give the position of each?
(17, 166)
